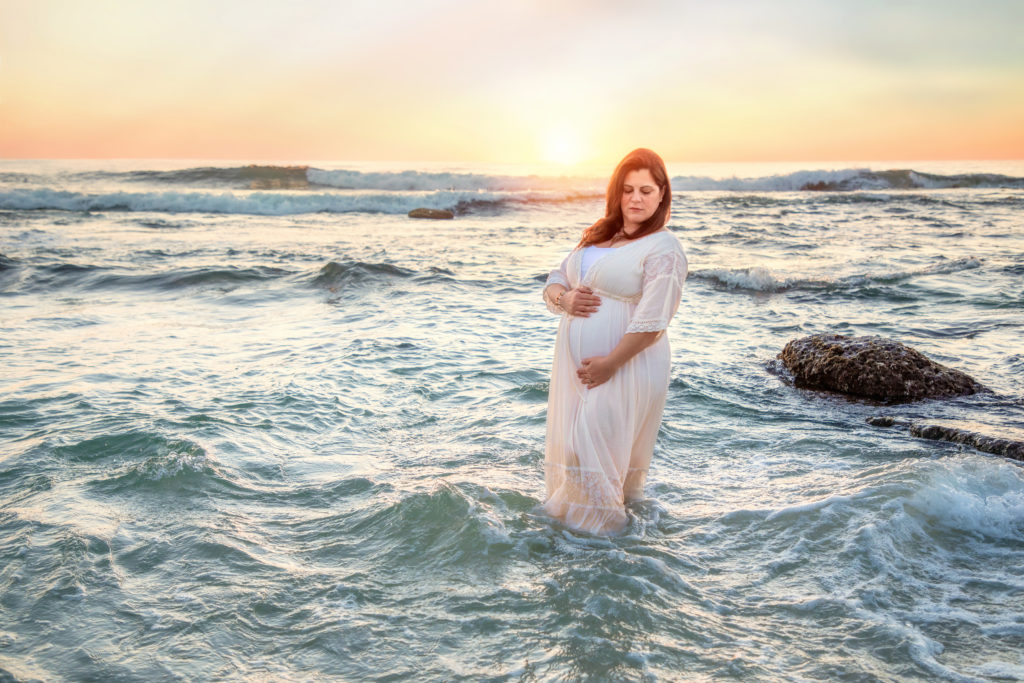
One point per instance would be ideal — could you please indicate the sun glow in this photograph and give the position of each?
(562, 144)
(359, 81)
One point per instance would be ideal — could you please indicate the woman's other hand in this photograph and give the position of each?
(580, 301)
(596, 371)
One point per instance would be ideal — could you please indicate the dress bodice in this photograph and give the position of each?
(591, 255)
(619, 272)
(646, 275)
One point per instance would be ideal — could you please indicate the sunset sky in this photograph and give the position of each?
(520, 82)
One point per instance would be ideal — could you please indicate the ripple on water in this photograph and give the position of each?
(340, 478)
(140, 462)
(337, 275)
(431, 530)
(221, 278)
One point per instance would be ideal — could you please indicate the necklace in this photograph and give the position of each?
(620, 235)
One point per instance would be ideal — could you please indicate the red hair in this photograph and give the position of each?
(605, 228)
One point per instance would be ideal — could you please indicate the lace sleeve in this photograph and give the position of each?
(664, 274)
(558, 276)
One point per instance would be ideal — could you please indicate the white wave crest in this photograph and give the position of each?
(760, 279)
(755, 278)
(256, 203)
(193, 460)
(952, 266)
(421, 181)
(845, 180)
(1006, 671)
(790, 182)
(983, 496)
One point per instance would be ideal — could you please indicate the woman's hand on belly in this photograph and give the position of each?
(580, 301)
(596, 370)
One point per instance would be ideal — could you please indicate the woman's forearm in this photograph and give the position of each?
(630, 345)
(597, 370)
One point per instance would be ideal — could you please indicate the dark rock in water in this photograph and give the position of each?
(872, 367)
(431, 213)
(1007, 447)
(887, 421)
(1010, 443)
(819, 186)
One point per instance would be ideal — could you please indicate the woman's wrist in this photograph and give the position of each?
(612, 362)
(554, 294)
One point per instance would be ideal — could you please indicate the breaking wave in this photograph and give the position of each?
(238, 176)
(848, 180)
(309, 178)
(760, 279)
(420, 181)
(254, 203)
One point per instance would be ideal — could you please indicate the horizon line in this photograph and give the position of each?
(547, 164)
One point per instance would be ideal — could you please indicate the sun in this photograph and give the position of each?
(562, 144)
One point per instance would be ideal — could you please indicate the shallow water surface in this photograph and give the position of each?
(279, 430)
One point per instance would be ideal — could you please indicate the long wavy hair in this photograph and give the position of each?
(605, 228)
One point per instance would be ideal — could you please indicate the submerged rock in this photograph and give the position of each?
(872, 367)
(431, 213)
(1009, 443)
(887, 421)
(998, 445)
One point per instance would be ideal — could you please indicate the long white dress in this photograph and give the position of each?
(600, 440)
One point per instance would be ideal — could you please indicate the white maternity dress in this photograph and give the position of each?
(600, 440)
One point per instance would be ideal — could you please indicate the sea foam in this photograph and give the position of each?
(977, 495)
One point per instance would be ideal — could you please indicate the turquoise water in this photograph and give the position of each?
(257, 424)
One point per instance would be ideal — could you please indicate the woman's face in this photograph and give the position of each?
(640, 198)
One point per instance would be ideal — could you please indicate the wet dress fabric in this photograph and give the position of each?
(600, 440)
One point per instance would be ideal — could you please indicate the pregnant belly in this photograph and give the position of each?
(598, 334)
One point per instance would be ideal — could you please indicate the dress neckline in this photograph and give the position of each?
(638, 239)
(589, 276)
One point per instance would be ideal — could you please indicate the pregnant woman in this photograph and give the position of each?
(616, 293)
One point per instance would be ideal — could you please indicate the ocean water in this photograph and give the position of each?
(257, 424)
